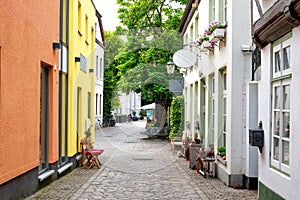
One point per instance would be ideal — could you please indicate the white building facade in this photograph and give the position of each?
(276, 31)
(129, 103)
(99, 68)
(218, 87)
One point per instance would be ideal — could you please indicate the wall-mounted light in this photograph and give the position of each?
(56, 46)
(170, 66)
(247, 48)
(77, 59)
(256, 137)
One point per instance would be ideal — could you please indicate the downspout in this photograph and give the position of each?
(67, 81)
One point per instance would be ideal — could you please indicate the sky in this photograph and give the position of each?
(108, 9)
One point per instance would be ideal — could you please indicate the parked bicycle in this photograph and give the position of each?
(106, 122)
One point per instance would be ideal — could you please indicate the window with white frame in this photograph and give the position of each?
(192, 33)
(101, 69)
(281, 88)
(196, 26)
(223, 90)
(225, 10)
(213, 109)
(97, 67)
(212, 10)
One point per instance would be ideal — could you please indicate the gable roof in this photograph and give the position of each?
(189, 11)
(99, 17)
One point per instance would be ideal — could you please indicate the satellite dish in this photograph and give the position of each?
(184, 58)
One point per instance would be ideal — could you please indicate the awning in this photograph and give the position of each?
(149, 107)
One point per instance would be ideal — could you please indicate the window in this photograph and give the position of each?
(97, 28)
(86, 29)
(89, 105)
(79, 18)
(196, 26)
(97, 65)
(44, 116)
(100, 103)
(96, 104)
(225, 10)
(192, 33)
(281, 88)
(286, 58)
(282, 57)
(186, 39)
(101, 70)
(212, 11)
(92, 38)
(222, 89)
(213, 110)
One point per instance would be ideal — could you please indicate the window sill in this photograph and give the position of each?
(65, 167)
(221, 160)
(46, 174)
(280, 171)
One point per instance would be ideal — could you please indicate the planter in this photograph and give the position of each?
(217, 35)
(207, 46)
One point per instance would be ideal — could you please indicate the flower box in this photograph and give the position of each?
(217, 35)
(207, 45)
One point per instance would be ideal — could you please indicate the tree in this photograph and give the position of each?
(150, 27)
(114, 45)
(136, 14)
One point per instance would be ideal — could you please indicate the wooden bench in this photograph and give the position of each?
(89, 155)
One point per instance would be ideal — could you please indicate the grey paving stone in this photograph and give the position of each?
(135, 167)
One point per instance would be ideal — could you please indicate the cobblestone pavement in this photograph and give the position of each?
(135, 167)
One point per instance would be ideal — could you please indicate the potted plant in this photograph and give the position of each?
(222, 152)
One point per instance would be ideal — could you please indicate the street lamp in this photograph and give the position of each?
(170, 66)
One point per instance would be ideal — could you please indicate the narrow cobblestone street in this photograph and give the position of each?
(135, 167)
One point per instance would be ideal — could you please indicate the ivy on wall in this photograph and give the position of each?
(176, 117)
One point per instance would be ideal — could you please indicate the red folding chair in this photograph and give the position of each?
(90, 154)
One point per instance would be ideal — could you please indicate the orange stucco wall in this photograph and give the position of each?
(27, 29)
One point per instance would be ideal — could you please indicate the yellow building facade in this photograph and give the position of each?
(81, 72)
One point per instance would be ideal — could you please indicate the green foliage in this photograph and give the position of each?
(143, 113)
(150, 13)
(115, 102)
(222, 150)
(87, 134)
(114, 45)
(150, 27)
(176, 117)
